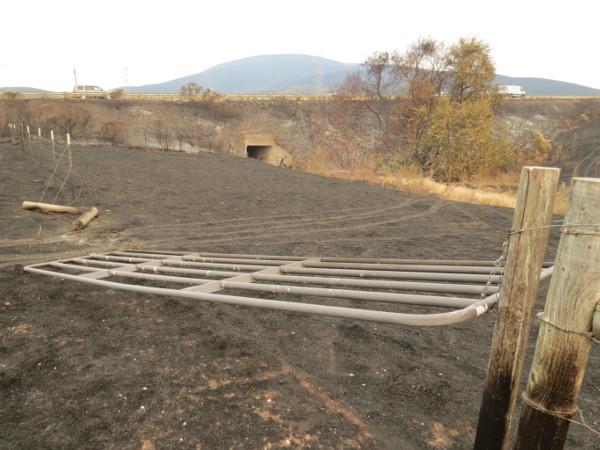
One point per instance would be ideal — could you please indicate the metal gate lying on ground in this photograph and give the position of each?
(469, 288)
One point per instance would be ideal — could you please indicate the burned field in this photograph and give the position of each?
(83, 366)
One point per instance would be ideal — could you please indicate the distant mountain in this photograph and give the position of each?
(297, 74)
(274, 74)
(19, 89)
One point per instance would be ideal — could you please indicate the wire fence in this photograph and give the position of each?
(54, 160)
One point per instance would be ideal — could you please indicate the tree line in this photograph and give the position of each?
(443, 123)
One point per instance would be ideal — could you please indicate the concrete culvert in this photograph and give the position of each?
(262, 152)
(264, 148)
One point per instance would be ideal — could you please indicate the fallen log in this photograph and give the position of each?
(51, 208)
(84, 219)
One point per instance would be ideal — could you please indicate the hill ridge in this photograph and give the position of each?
(294, 73)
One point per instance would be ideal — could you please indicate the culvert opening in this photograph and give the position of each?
(260, 152)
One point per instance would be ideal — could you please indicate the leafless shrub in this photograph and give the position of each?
(11, 96)
(224, 111)
(113, 132)
(48, 115)
(73, 121)
(117, 95)
(190, 91)
(162, 134)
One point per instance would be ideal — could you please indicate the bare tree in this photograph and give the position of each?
(424, 69)
(162, 134)
(375, 78)
(191, 90)
(373, 83)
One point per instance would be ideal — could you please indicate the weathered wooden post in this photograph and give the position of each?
(53, 150)
(565, 339)
(22, 139)
(527, 246)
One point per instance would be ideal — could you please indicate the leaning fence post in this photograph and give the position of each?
(527, 246)
(565, 335)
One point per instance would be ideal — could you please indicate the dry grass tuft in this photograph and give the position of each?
(461, 193)
(497, 191)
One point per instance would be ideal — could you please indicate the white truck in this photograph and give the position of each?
(90, 91)
(512, 91)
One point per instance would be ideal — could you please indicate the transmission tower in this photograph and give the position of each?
(126, 69)
(319, 81)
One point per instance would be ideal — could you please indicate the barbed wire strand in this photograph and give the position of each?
(564, 416)
(67, 176)
(541, 317)
(566, 228)
(52, 175)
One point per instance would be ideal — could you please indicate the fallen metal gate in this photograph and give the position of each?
(469, 288)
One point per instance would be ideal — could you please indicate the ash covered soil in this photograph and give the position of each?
(85, 367)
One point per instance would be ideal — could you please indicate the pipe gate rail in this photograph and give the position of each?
(470, 288)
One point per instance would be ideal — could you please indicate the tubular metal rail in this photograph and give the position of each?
(470, 288)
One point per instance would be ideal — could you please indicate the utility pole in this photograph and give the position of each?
(319, 81)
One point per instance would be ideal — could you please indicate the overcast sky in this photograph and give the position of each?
(116, 43)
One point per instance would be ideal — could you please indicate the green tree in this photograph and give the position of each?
(444, 121)
(463, 136)
(464, 139)
(541, 147)
(472, 70)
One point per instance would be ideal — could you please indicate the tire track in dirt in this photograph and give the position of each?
(341, 227)
(281, 221)
(475, 219)
(244, 230)
(233, 225)
(366, 221)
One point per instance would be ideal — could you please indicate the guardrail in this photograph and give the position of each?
(237, 97)
(174, 96)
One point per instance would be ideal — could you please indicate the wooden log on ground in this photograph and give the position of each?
(51, 208)
(532, 216)
(84, 219)
(565, 336)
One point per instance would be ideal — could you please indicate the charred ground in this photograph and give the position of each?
(86, 367)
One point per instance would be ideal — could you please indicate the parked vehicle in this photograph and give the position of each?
(91, 92)
(512, 91)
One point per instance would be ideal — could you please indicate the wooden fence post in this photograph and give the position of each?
(527, 246)
(564, 339)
